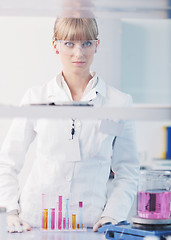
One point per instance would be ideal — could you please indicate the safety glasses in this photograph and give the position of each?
(68, 47)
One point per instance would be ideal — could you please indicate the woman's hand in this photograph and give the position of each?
(15, 224)
(102, 221)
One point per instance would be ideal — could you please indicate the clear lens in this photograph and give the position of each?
(69, 47)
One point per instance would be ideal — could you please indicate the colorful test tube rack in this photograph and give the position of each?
(57, 219)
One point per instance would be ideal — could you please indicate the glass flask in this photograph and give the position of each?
(154, 195)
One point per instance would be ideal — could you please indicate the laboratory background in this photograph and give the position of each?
(134, 56)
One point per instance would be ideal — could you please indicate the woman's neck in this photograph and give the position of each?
(76, 83)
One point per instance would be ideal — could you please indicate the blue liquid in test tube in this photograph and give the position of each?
(67, 214)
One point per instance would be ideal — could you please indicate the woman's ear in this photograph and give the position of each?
(97, 45)
(55, 48)
(54, 43)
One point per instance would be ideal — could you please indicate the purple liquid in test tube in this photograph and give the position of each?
(154, 204)
(64, 223)
(53, 219)
(60, 213)
(81, 215)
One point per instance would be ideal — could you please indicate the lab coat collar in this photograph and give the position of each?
(56, 91)
(101, 87)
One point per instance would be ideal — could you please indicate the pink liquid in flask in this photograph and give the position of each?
(154, 204)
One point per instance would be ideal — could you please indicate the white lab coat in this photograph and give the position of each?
(81, 168)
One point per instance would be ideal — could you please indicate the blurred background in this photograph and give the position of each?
(134, 56)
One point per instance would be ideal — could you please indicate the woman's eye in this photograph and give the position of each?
(69, 44)
(87, 44)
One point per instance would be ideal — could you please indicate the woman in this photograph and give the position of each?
(73, 156)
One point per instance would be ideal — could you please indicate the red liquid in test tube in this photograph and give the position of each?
(60, 213)
(81, 215)
(63, 223)
(53, 219)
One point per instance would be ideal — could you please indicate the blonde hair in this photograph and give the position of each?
(75, 29)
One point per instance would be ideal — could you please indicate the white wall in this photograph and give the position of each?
(146, 60)
(27, 56)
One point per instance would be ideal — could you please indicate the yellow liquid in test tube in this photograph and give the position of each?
(45, 218)
(73, 221)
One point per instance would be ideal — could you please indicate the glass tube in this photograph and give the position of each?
(60, 213)
(67, 214)
(43, 207)
(45, 218)
(53, 218)
(74, 221)
(80, 215)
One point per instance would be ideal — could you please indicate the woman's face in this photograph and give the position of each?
(76, 56)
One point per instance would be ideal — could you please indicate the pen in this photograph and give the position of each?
(73, 128)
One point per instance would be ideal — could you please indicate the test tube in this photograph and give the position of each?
(53, 218)
(60, 213)
(43, 207)
(45, 218)
(56, 215)
(73, 221)
(49, 218)
(67, 214)
(64, 223)
(80, 215)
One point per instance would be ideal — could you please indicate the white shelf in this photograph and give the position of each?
(53, 8)
(161, 164)
(141, 113)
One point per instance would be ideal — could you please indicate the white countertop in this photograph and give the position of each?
(38, 234)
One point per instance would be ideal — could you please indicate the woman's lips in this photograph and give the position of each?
(78, 63)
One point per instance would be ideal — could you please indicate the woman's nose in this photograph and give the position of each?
(78, 51)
